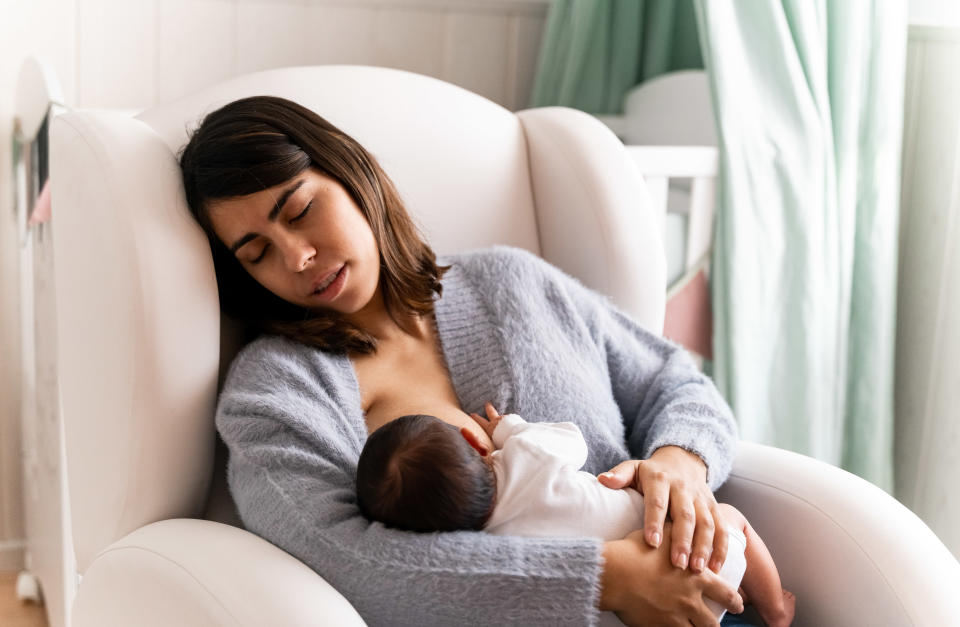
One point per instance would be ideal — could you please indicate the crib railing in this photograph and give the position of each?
(50, 574)
(689, 318)
(697, 166)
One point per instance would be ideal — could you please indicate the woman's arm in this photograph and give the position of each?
(293, 456)
(663, 398)
(681, 427)
(674, 419)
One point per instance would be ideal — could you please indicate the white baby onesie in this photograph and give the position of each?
(541, 491)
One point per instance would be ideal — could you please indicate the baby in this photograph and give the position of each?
(531, 485)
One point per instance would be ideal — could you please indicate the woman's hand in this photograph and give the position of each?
(640, 585)
(489, 423)
(674, 481)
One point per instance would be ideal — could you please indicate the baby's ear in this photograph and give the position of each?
(474, 441)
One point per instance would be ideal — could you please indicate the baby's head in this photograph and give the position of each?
(419, 473)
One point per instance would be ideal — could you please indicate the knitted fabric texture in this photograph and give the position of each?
(515, 331)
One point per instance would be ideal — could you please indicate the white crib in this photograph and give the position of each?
(668, 128)
(50, 569)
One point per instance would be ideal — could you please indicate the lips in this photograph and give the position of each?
(324, 279)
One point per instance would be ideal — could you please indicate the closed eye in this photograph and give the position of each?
(292, 220)
(302, 213)
(262, 255)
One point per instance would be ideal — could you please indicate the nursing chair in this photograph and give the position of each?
(143, 347)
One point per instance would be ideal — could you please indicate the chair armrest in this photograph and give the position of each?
(189, 572)
(851, 553)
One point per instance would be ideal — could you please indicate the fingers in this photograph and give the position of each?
(622, 475)
(701, 616)
(723, 515)
(492, 413)
(704, 617)
(479, 420)
(703, 535)
(684, 517)
(720, 544)
(717, 589)
(656, 496)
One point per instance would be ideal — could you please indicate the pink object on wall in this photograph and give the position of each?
(41, 210)
(689, 318)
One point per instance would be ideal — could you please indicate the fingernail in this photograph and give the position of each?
(698, 564)
(715, 565)
(656, 539)
(683, 560)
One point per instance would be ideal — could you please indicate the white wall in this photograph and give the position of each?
(935, 12)
(137, 53)
(927, 395)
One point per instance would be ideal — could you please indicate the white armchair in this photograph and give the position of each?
(142, 348)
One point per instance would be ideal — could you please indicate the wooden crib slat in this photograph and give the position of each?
(658, 187)
(700, 220)
(689, 319)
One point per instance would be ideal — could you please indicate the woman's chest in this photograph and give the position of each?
(559, 373)
(408, 378)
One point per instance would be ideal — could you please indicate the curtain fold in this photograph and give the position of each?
(809, 105)
(594, 51)
(808, 101)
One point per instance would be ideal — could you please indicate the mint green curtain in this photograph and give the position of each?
(594, 51)
(808, 96)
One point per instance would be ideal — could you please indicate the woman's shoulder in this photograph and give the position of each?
(495, 254)
(269, 361)
(502, 263)
(516, 277)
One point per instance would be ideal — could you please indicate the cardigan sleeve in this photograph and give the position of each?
(663, 397)
(291, 470)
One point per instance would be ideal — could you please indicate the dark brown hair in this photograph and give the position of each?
(418, 473)
(256, 143)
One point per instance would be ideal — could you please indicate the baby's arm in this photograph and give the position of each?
(488, 424)
(761, 581)
(552, 442)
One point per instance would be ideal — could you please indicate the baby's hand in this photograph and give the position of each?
(490, 423)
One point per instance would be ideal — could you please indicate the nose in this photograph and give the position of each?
(298, 253)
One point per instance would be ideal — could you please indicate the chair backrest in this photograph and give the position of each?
(138, 318)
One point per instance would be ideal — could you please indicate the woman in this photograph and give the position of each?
(313, 246)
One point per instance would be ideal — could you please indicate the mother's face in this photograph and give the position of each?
(295, 237)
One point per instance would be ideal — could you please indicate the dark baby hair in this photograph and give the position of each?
(418, 473)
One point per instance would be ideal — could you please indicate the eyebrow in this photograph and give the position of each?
(272, 216)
